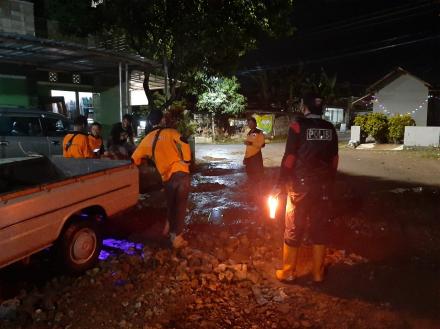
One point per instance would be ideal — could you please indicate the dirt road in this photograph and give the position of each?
(399, 166)
(383, 261)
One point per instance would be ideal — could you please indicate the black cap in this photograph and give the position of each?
(314, 102)
(154, 117)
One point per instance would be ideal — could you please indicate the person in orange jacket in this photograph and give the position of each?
(171, 154)
(253, 158)
(76, 144)
(95, 139)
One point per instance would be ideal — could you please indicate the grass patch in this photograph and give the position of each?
(424, 152)
(227, 140)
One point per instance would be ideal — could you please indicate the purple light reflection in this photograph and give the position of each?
(112, 247)
(103, 255)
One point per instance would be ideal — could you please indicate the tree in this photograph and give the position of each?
(282, 88)
(397, 124)
(322, 84)
(186, 35)
(219, 96)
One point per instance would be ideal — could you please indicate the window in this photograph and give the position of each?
(53, 76)
(20, 126)
(76, 78)
(334, 115)
(56, 127)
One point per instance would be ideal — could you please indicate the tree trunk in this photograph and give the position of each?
(213, 127)
(147, 89)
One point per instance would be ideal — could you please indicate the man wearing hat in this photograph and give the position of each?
(171, 154)
(309, 166)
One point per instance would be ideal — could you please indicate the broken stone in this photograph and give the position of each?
(58, 317)
(8, 308)
(229, 276)
(254, 277)
(220, 268)
(183, 276)
(39, 315)
(240, 272)
(259, 298)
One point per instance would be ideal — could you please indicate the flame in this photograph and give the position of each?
(273, 204)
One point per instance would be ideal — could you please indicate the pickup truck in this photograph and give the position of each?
(62, 203)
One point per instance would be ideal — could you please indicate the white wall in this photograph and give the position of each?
(422, 136)
(403, 95)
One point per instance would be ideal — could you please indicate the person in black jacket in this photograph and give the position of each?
(126, 126)
(309, 167)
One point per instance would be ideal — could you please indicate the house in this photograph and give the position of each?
(45, 71)
(400, 92)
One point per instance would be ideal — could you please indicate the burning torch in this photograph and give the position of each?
(275, 200)
(273, 205)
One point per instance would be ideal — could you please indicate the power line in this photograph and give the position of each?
(335, 57)
(362, 26)
(363, 17)
(373, 17)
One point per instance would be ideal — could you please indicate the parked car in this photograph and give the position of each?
(28, 132)
(61, 202)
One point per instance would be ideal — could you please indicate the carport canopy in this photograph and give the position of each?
(60, 56)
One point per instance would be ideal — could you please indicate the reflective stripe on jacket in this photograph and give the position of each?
(172, 153)
(311, 150)
(96, 143)
(76, 145)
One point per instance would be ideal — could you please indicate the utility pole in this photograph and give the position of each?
(213, 127)
(167, 87)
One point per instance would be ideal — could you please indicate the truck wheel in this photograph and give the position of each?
(80, 245)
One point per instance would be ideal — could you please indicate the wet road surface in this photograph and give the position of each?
(386, 215)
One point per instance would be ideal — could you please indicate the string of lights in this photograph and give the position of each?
(387, 111)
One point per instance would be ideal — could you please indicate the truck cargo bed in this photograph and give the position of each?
(21, 173)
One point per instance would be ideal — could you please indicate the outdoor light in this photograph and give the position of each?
(273, 204)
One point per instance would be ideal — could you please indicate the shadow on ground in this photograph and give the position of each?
(393, 224)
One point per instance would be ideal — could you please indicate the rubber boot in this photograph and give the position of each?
(318, 262)
(290, 255)
(178, 241)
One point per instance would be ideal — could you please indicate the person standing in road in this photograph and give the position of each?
(95, 139)
(253, 158)
(309, 167)
(76, 144)
(172, 156)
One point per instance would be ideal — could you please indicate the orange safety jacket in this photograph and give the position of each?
(256, 138)
(96, 143)
(76, 145)
(172, 154)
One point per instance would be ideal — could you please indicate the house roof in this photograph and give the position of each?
(390, 77)
(366, 98)
(386, 80)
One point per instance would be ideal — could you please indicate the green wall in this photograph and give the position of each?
(13, 92)
(107, 109)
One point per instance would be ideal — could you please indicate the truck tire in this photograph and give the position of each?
(80, 245)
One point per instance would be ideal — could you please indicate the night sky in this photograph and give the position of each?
(359, 40)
